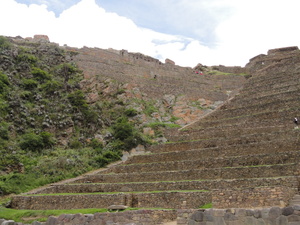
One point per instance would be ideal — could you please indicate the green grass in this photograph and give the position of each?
(40, 215)
(111, 193)
(206, 206)
(28, 216)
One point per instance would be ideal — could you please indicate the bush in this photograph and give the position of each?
(95, 144)
(51, 86)
(25, 57)
(4, 83)
(77, 99)
(125, 131)
(29, 84)
(130, 112)
(40, 74)
(34, 142)
(4, 130)
(75, 143)
(4, 43)
(107, 157)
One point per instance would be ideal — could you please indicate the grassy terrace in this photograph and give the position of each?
(28, 216)
(154, 182)
(111, 193)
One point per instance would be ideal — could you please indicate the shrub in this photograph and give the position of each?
(40, 74)
(77, 99)
(34, 142)
(4, 82)
(4, 43)
(107, 157)
(130, 112)
(4, 130)
(29, 84)
(25, 57)
(125, 131)
(75, 143)
(95, 143)
(51, 86)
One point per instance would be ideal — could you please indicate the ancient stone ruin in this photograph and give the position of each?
(243, 158)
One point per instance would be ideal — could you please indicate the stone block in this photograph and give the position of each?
(293, 218)
(241, 212)
(230, 217)
(52, 221)
(296, 207)
(260, 221)
(257, 213)
(282, 220)
(197, 216)
(8, 222)
(219, 212)
(275, 212)
(219, 221)
(287, 211)
(265, 212)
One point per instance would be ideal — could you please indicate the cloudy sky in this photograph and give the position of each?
(211, 32)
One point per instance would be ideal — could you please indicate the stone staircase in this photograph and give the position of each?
(247, 143)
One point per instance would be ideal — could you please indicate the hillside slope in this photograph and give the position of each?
(244, 155)
(66, 111)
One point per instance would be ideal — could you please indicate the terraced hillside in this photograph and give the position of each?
(154, 78)
(249, 142)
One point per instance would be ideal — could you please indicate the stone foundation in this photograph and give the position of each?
(265, 216)
(252, 197)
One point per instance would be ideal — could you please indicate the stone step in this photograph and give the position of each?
(290, 135)
(270, 86)
(222, 132)
(170, 199)
(210, 162)
(256, 106)
(282, 92)
(262, 147)
(289, 181)
(275, 117)
(206, 174)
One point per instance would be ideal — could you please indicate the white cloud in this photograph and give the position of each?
(248, 28)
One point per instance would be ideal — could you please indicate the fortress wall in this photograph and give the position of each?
(252, 197)
(152, 76)
(230, 69)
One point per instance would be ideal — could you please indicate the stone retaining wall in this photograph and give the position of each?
(292, 182)
(265, 216)
(252, 197)
(137, 200)
(210, 174)
(289, 136)
(266, 147)
(187, 164)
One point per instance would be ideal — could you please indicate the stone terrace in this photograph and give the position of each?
(153, 77)
(250, 143)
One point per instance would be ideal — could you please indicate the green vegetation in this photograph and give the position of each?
(29, 216)
(49, 131)
(206, 206)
